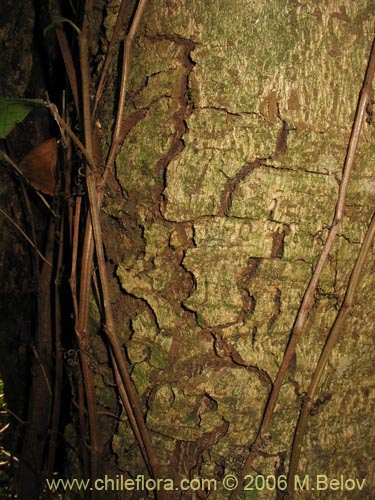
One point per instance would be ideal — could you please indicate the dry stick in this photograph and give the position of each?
(32, 224)
(19, 228)
(82, 333)
(82, 422)
(64, 126)
(126, 389)
(310, 291)
(85, 75)
(73, 270)
(109, 57)
(10, 162)
(58, 375)
(56, 407)
(124, 80)
(115, 144)
(91, 185)
(81, 306)
(36, 433)
(345, 309)
(111, 333)
(68, 62)
(128, 409)
(74, 227)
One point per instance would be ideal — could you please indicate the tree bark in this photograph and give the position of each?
(239, 116)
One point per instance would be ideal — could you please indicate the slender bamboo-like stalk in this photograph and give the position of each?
(141, 429)
(15, 167)
(22, 232)
(82, 327)
(109, 56)
(308, 297)
(93, 235)
(38, 419)
(58, 365)
(124, 81)
(68, 62)
(333, 336)
(95, 228)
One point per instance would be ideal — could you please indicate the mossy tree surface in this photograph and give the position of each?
(237, 122)
(229, 173)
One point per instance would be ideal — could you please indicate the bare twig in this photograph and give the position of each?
(310, 291)
(109, 56)
(140, 429)
(337, 327)
(73, 271)
(23, 422)
(31, 221)
(127, 405)
(62, 123)
(126, 389)
(15, 167)
(93, 234)
(38, 418)
(81, 329)
(56, 405)
(19, 228)
(124, 81)
(68, 62)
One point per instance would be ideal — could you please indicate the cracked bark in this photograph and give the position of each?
(232, 155)
(242, 201)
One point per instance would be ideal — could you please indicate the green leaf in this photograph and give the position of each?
(57, 21)
(14, 110)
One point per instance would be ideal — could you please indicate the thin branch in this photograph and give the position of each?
(68, 62)
(307, 301)
(109, 56)
(23, 422)
(94, 234)
(73, 270)
(85, 75)
(124, 81)
(333, 336)
(127, 405)
(62, 123)
(93, 227)
(15, 167)
(30, 220)
(56, 405)
(19, 228)
(141, 429)
(82, 334)
(43, 370)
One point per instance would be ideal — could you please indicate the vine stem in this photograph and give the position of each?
(308, 297)
(56, 394)
(109, 57)
(68, 62)
(345, 309)
(29, 240)
(87, 254)
(93, 240)
(124, 80)
(9, 161)
(124, 377)
(126, 389)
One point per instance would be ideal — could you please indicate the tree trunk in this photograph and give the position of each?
(239, 116)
